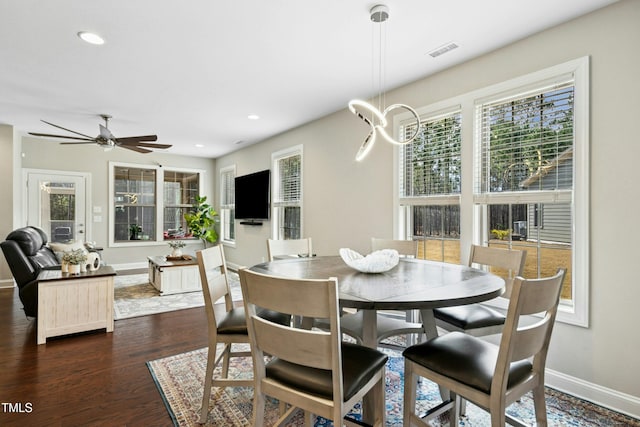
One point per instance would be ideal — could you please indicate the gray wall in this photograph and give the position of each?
(38, 153)
(6, 194)
(345, 203)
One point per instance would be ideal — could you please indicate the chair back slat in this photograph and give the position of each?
(304, 298)
(299, 346)
(500, 261)
(213, 277)
(288, 247)
(407, 248)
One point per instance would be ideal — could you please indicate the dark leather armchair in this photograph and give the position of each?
(27, 253)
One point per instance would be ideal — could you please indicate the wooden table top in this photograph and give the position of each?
(48, 275)
(412, 284)
(163, 261)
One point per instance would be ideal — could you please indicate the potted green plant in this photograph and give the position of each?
(75, 260)
(201, 221)
(135, 231)
(176, 246)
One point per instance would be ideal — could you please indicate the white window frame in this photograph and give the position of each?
(224, 207)
(275, 208)
(576, 313)
(159, 238)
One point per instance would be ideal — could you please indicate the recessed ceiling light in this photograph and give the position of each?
(91, 37)
(253, 117)
(199, 145)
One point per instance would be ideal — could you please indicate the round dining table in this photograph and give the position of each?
(413, 284)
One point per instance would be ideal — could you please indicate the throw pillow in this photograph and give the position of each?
(60, 248)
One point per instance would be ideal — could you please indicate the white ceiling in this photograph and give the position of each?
(192, 71)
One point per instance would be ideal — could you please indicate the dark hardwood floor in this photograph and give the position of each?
(93, 379)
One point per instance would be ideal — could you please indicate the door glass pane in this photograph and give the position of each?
(58, 202)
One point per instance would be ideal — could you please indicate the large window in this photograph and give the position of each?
(144, 197)
(430, 185)
(524, 176)
(507, 167)
(180, 192)
(227, 204)
(134, 200)
(287, 193)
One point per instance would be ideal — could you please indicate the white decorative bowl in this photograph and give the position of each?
(375, 262)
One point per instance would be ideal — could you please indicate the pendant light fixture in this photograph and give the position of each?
(376, 117)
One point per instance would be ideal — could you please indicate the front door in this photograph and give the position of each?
(56, 202)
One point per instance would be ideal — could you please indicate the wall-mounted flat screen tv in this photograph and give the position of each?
(252, 196)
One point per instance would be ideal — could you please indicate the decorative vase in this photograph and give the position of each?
(64, 267)
(176, 253)
(83, 267)
(93, 261)
(73, 268)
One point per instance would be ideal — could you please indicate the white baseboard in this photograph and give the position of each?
(232, 266)
(130, 266)
(7, 284)
(603, 396)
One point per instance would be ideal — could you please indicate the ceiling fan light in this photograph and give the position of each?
(91, 38)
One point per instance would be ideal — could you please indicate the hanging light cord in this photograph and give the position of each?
(376, 119)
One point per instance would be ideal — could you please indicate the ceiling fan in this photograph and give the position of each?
(105, 139)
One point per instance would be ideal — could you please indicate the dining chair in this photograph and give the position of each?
(291, 247)
(226, 324)
(312, 370)
(387, 324)
(489, 375)
(480, 319)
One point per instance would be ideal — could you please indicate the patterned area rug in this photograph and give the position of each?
(180, 380)
(135, 296)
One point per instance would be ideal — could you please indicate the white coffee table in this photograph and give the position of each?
(174, 277)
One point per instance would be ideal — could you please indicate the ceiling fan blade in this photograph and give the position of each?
(134, 139)
(146, 144)
(78, 142)
(60, 136)
(138, 149)
(68, 130)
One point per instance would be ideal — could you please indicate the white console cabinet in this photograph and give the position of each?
(70, 303)
(174, 277)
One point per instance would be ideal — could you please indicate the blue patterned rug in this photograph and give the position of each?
(180, 380)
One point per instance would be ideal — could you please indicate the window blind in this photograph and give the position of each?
(289, 181)
(526, 142)
(430, 165)
(227, 189)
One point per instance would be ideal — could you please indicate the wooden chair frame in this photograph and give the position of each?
(520, 341)
(288, 247)
(213, 276)
(511, 260)
(314, 348)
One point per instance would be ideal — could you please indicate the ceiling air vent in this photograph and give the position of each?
(443, 49)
